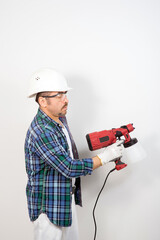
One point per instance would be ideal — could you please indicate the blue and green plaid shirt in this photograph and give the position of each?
(50, 170)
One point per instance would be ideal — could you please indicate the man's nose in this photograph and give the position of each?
(66, 99)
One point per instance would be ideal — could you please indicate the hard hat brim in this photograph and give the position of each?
(35, 93)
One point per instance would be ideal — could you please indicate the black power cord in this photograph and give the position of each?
(95, 233)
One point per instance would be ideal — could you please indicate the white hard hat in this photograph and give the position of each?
(47, 79)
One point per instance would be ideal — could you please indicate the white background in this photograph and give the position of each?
(109, 52)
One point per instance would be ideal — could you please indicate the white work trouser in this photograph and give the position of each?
(45, 230)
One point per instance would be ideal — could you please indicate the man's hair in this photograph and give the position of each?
(40, 94)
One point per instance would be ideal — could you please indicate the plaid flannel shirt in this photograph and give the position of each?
(50, 170)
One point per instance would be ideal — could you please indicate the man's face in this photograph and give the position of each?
(56, 106)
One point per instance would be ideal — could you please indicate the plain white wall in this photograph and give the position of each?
(109, 51)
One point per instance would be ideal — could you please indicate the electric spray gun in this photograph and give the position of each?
(97, 140)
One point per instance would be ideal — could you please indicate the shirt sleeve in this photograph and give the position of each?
(53, 153)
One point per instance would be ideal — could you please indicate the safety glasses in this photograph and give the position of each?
(59, 95)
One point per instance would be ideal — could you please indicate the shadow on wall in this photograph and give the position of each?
(83, 104)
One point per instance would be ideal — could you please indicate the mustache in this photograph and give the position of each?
(66, 105)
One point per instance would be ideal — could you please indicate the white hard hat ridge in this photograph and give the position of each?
(47, 79)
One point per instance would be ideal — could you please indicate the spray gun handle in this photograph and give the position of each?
(120, 165)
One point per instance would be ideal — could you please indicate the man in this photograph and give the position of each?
(52, 163)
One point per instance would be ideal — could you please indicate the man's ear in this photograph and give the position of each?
(42, 102)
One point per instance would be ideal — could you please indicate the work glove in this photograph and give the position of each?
(112, 152)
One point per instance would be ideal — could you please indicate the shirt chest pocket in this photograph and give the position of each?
(59, 137)
(63, 142)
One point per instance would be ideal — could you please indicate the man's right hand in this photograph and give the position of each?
(112, 152)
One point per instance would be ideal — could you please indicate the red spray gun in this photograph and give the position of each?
(97, 140)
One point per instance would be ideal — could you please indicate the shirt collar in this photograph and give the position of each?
(43, 115)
